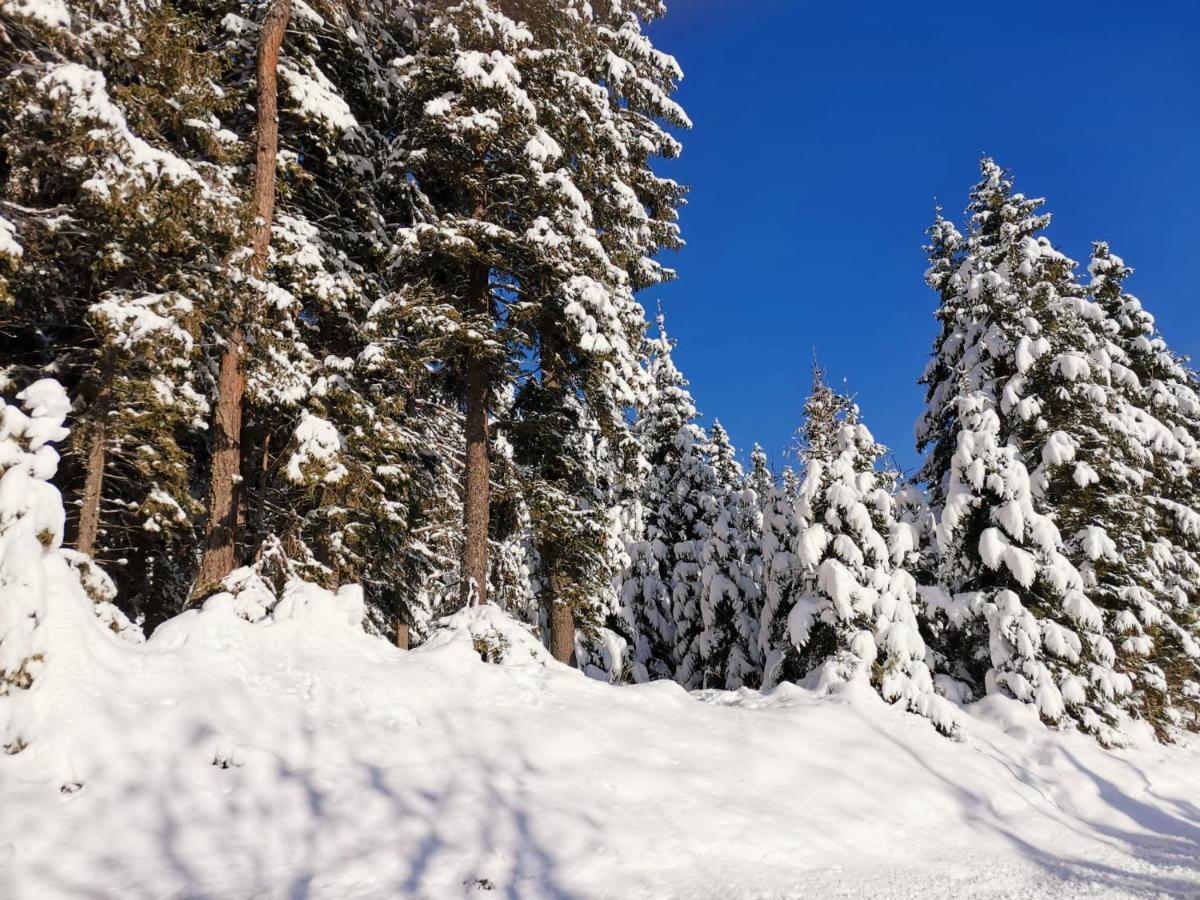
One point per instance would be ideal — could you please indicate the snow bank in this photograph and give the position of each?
(265, 745)
(298, 756)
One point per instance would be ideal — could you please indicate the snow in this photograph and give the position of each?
(134, 320)
(82, 95)
(8, 240)
(1058, 450)
(316, 98)
(992, 544)
(305, 758)
(1095, 542)
(53, 13)
(1022, 564)
(317, 446)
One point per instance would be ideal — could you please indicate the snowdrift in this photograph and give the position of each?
(299, 757)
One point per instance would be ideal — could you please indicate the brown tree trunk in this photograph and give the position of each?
(562, 623)
(562, 617)
(220, 553)
(477, 495)
(97, 458)
(402, 635)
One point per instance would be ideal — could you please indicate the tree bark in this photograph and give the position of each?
(220, 553)
(478, 475)
(97, 458)
(562, 617)
(562, 623)
(402, 635)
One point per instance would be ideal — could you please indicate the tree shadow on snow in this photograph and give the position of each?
(1168, 842)
(305, 814)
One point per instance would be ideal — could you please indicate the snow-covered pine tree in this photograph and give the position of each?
(790, 481)
(1018, 618)
(119, 182)
(731, 586)
(695, 500)
(31, 528)
(661, 594)
(606, 652)
(731, 574)
(34, 566)
(759, 479)
(854, 610)
(610, 90)
(1134, 499)
(355, 449)
(223, 532)
(565, 489)
(724, 460)
(514, 250)
(780, 529)
(515, 573)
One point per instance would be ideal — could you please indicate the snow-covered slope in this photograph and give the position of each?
(303, 758)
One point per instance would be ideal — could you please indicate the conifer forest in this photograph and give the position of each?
(360, 535)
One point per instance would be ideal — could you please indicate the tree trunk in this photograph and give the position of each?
(562, 623)
(562, 617)
(402, 635)
(478, 465)
(97, 458)
(220, 553)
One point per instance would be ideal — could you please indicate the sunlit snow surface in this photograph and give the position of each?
(305, 759)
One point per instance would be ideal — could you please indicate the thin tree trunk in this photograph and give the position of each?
(97, 458)
(260, 488)
(562, 617)
(402, 635)
(220, 553)
(478, 466)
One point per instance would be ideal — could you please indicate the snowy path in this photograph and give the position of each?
(347, 769)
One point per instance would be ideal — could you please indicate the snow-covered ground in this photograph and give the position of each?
(305, 759)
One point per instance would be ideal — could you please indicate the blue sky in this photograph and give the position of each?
(823, 134)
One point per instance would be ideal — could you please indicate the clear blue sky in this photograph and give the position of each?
(823, 134)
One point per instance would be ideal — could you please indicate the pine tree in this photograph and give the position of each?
(694, 502)
(1132, 498)
(377, 501)
(222, 532)
(1018, 618)
(759, 479)
(129, 100)
(780, 530)
(854, 610)
(731, 601)
(661, 595)
(32, 558)
(724, 460)
(514, 250)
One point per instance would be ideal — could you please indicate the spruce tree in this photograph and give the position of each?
(222, 532)
(781, 527)
(377, 501)
(731, 601)
(759, 479)
(1018, 618)
(661, 595)
(731, 575)
(724, 460)
(1133, 498)
(854, 602)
